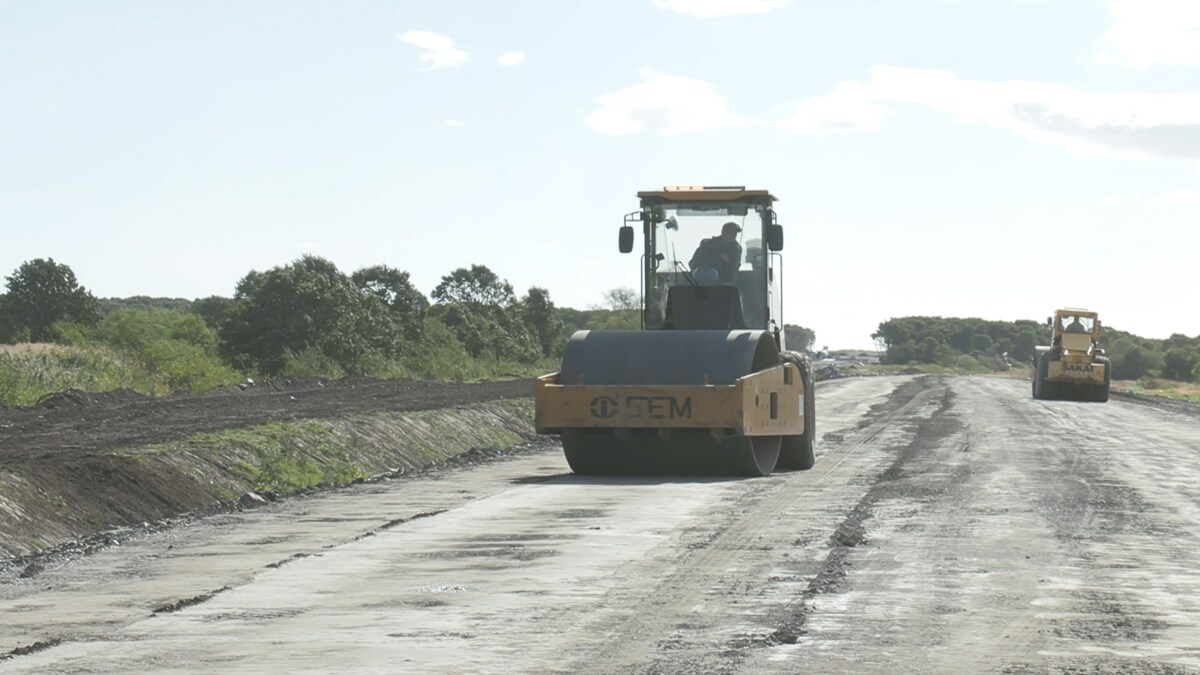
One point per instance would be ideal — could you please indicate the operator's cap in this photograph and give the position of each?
(730, 226)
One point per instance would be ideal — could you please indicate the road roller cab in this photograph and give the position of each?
(1073, 366)
(707, 386)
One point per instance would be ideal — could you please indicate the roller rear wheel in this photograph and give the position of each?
(748, 456)
(1100, 391)
(796, 452)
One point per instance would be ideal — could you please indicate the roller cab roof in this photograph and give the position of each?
(696, 193)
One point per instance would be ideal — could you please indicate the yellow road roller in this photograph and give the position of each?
(1073, 366)
(707, 386)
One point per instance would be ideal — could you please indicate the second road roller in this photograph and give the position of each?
(707, 386)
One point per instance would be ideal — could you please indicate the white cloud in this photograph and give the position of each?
(454, 124)
(665, 104)
(705, 9)
(439, 50)
(847, 109)
(511, 59)
(1152, 32)
(1179, 197)
(1115, 125)
(1118, 125)
(1113, 200)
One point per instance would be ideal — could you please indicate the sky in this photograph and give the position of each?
(984, 158)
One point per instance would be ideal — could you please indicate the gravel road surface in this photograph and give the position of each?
(951, 525)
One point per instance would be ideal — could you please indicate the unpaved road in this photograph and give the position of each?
(950, 526)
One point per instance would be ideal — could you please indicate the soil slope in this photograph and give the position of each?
(79, 463)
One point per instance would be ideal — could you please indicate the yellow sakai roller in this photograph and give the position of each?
(1073, 366)
(706, 387)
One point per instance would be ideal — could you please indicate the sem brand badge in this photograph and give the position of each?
(604, 407)
(658, 407)
(642, 407)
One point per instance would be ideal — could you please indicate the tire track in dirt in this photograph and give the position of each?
(1037, 538)
(851, 532)
(730, 561)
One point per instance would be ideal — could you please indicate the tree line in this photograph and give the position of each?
(982, 344)
(305, 319)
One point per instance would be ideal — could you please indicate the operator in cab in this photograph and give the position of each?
(717, 259)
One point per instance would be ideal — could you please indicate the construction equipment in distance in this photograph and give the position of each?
(706, 386)
(1073, 367)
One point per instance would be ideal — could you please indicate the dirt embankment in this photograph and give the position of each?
(79, 464)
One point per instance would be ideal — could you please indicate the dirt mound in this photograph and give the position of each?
(74, 398)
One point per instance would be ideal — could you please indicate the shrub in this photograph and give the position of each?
(311, 362)
(28, 375)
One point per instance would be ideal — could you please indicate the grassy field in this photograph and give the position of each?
(30, 371)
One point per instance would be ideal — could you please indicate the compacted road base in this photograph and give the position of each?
(951, 525)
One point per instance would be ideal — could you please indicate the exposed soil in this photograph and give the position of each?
(73, 424)
(75, 466)
(950, 525)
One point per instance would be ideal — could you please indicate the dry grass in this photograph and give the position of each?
(1187, 391)
(30, 371)
(34, 348)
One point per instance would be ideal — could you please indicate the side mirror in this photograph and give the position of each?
(625, 240)
(1050, 322)
(775, 237)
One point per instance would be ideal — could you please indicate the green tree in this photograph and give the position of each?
(109, 305)
(1129, 362)
(482, 311)
(966, 362)
(300, 307)
(980, 342)
(1024, 346)
(8, 329)
(408, 306)
(540, 316)
(212, 309)
(1178, 364)
(902, 354)
(621, 298)
(798, 338)
(621, 309)
(930, 349)
(488, 330)
(177, 347)
(1177, 340)
(40, 293)
(478, 286)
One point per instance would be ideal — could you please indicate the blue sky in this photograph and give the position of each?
(991, 158)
